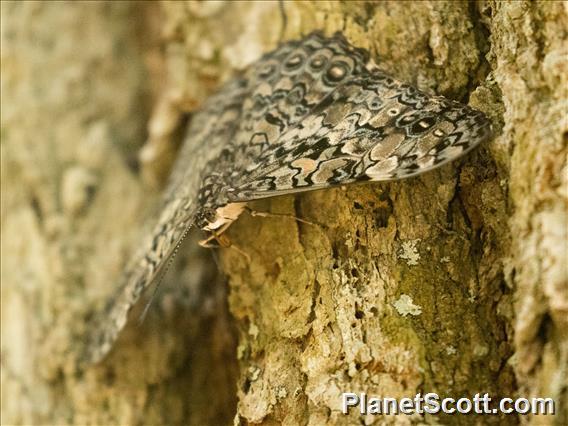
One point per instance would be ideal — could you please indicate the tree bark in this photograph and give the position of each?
(454, 282)
(78, 83)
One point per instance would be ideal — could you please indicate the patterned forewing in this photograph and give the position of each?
(285, 86)
(370, 128)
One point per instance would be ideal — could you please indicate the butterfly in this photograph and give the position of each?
(314, 113)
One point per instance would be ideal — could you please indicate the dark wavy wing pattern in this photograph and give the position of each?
(285, 85)
(370, 128)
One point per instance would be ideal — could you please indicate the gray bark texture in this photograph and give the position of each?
(454, 282)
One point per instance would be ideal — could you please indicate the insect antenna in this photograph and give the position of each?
(162, 275)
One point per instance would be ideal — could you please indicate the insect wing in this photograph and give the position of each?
(209, 133)
(370, 128)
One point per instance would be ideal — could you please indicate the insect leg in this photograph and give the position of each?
(255, 213)
(222, 241)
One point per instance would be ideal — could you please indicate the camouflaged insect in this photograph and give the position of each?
(314, 113)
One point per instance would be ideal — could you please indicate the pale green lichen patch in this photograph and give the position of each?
(405, 306)
(409, 252)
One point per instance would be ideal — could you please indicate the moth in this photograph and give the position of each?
(314, 113)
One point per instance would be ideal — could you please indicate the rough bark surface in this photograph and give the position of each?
(454, 282)
(78, 83)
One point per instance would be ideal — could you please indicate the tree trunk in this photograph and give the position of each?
(78, 83)
(454, 282)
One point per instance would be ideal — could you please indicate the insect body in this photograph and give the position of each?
(314, 113)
